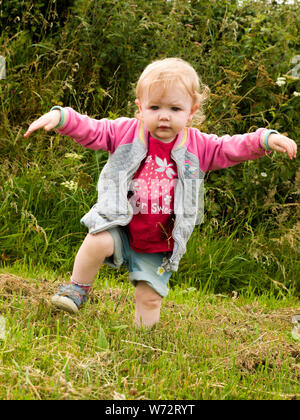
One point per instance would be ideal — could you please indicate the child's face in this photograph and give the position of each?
(166, 113)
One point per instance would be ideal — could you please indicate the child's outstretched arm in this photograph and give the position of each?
(104, 134)
(282, 144)
(221, 152)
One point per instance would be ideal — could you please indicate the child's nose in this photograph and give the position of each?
(164, 115)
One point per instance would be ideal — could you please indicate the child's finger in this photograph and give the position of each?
(294, 153)
(292, 149)
(295, 149)
(31, 129)
(41, 122)
(280, 148)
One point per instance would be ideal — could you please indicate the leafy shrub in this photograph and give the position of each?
(89, 54)
(38, 18)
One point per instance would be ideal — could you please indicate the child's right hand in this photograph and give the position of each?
(47, 121)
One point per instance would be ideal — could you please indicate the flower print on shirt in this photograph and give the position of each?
(164, 167)
(149, 186)
(153, 186)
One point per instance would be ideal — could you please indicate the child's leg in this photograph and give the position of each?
(148, 303)
(94, 249)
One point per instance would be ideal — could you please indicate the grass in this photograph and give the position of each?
(206, 346)
(225, 332)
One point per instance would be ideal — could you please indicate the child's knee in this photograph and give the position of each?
(101, 243)
(147, 297)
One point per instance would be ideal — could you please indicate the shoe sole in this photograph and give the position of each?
(64, 303)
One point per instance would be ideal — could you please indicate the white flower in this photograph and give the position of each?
(164, 166)
(296, 93)
(70, 185)
(263, 174)
(280, 81)
(160, 271)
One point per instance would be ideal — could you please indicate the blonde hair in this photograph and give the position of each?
(170, 70)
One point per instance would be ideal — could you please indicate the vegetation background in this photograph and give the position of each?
(88, 55)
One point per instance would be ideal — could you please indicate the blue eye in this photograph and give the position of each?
(175, 108)
(154, 107)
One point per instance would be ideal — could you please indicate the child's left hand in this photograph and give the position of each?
(283, 144)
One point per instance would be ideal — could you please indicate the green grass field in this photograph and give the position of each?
(206, 346)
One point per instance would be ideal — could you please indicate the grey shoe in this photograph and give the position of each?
(69, 298)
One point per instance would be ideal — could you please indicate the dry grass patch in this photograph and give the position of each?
(205, 347)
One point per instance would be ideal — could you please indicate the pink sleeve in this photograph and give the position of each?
(95, 134)
(221, 152)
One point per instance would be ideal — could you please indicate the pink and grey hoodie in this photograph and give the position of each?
(194, 152)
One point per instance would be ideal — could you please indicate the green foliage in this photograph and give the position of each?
(88, 55)
(37, 18)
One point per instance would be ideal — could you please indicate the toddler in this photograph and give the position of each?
(149, 191)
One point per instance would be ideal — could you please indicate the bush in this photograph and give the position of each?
(89, 54)
(39, 19)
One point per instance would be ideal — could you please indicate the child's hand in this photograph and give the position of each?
(283, 144)
(46, 121)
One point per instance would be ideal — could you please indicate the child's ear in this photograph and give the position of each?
(194, 109)
(137, 102)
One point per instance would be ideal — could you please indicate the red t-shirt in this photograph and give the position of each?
(150, 229)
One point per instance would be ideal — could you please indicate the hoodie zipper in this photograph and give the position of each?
(177, 218)
(131, 171)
